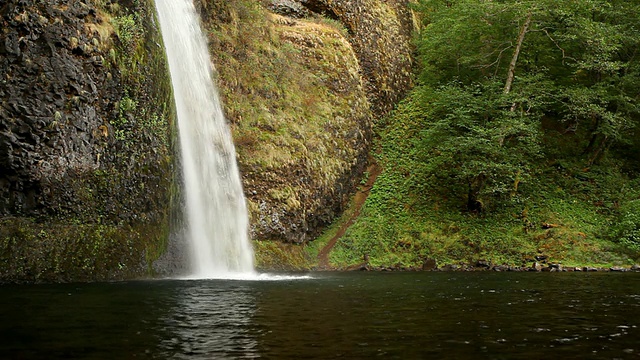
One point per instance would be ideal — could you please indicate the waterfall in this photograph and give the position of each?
(215, 209)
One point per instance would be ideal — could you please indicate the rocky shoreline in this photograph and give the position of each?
(483, 265)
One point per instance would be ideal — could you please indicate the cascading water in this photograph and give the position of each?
(216, 213)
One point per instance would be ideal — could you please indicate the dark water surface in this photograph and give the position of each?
(332, 315)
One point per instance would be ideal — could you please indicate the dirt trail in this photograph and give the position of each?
(359, 199)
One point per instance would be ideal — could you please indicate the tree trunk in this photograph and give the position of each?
(594, 136)
(516, 53)
(475, 186)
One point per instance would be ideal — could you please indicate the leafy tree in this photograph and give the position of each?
(477, 146)
(494, 71)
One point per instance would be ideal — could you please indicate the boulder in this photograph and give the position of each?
(536, 267)
(556, 267)
(429, 265)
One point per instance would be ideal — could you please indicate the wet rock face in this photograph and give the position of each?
(289, 8)
(77, 140)
(85, 132)
(54, 96)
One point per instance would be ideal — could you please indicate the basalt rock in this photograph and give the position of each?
(556, 267)
(289, 8)
(501, 268)
(85, 156)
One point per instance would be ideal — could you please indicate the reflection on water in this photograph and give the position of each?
(251, 277)
(349, 315)
(210, 320)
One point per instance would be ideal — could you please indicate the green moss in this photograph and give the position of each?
(32, 251)
(286, 195)
(274, 255)
(293, 94)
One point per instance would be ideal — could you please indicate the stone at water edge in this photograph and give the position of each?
(501, 268)
(429, 265)
(536, 267)
(556, 267)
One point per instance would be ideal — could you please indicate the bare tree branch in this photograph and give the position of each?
(564, 55)
(497, 61)
(516, 52)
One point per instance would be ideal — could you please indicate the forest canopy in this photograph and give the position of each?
(499, 74)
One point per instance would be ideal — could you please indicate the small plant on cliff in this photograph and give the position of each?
(126, 107)
(127, 29)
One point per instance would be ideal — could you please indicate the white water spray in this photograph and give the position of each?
(216, 213)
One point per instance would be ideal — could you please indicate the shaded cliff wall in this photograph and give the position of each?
(86, 163)
(301, 91)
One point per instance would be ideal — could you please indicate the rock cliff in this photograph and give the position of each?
(380, 33)
(302, 84)
(85, 140)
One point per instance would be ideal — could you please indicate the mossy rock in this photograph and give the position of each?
(86, 151)
(299, 114)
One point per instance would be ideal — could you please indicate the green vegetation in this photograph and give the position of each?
(520, 139)
(37, 252)
(274, 255)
